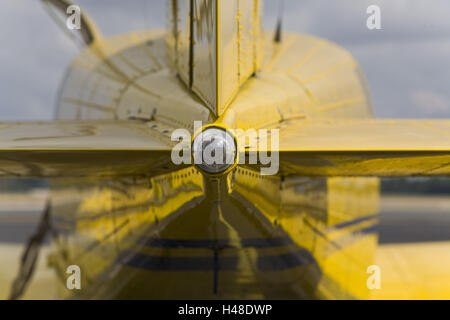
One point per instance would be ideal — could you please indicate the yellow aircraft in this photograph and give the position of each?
(300, 221)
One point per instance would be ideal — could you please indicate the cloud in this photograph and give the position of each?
(430, 102)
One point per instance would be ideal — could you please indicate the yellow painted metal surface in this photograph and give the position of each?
(106, 218)
(365, 147)
(414, 271)
(83, 135)
(88, 148)
(304, 77)
(308, 232)
(327, 219)
(215, 46)
(128, 77)
(373, 135)
(179, 235)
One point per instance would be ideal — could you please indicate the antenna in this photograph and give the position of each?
(89, 31)
(278, 31)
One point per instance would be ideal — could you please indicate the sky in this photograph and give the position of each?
(406, 62)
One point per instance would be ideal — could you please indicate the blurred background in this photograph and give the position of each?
(407, 64)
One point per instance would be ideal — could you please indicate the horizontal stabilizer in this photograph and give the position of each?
(365, 147)
(84, 148)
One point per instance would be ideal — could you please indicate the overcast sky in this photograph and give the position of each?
(407, 62)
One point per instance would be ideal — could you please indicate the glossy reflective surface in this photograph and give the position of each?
(140, 227)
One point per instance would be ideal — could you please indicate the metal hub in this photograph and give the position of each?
(214, 150)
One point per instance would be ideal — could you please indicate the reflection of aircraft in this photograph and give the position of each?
(140, 226)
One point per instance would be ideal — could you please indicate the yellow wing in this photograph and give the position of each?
(365, 147)
(88, 148)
